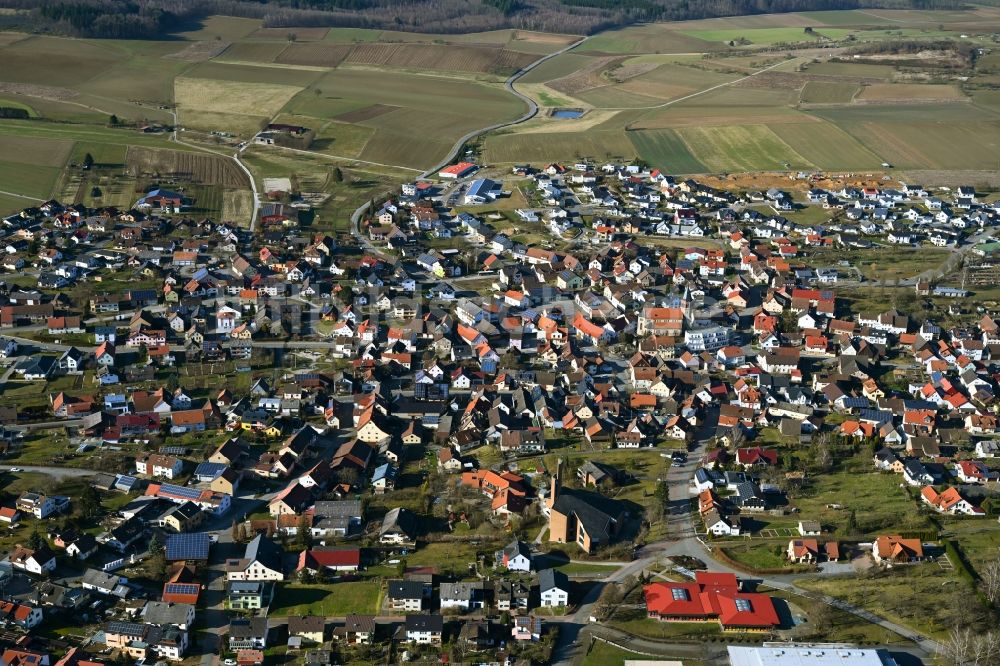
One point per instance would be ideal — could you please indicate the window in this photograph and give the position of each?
(743, 605)
(680, 594)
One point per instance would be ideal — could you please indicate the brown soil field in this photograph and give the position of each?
(908, 92)
(318, 55)
(512, 60)
(763, 180)
(542, 37)
(199, 51)
(591, 76)
(194, 167)
(365, 113)
(433, 56)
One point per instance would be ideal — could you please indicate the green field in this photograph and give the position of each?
(665, 150)
(554, 146)
(826, 145)
(740, 148)
(828, 92)
(336, 599)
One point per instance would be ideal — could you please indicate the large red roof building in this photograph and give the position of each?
(711, 597)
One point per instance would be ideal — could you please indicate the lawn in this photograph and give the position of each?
(604, 654)
(336, 599)
(923, 597)
(633, 622)
(759, 555)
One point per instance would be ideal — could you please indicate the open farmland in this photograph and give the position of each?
(599, 145)
(316, 55)
(228, 98)
(740, 148)
(665, 150)
(828, 92)
(826, 146)
(43, 152)
(909, 92)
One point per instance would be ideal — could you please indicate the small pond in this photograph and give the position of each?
(564, 114)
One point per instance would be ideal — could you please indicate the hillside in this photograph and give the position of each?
(129, 19)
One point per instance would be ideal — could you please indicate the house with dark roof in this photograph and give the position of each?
(585, 518)
(261, 561)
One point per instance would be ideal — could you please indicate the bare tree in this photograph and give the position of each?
(989, 581)
(966, 647)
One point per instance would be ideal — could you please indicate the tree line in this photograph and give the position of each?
(152, 19)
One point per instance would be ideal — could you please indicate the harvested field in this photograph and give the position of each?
(39, 152)
(301, 34)
(233, 97)
(199, 51)
(909, 92)
(367, 113)
(264, 73)
(255, 51)
(441, 57)
(237, 206)
(200, 168)
(828, 92)
(317, 55)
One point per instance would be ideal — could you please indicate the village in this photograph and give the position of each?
(476, 431)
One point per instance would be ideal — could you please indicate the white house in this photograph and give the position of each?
(553, 587)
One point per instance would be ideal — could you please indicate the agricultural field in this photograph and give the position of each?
(828, 92)
(200, 168)
(509, 148)
(666, 150)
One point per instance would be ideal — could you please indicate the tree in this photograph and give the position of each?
(89, 504)
(35, 539)
(967, 647)
(95, 192)
(338, 175)
(989, 581)
(303, 534)
(88, 161)
(156, 565)
(292, 36)
(113, 121)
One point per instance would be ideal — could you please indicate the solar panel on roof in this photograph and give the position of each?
(188, 546)
(174, 450)
(180, 491)
(181, 588)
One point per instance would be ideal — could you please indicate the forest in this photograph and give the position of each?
(156, 19)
